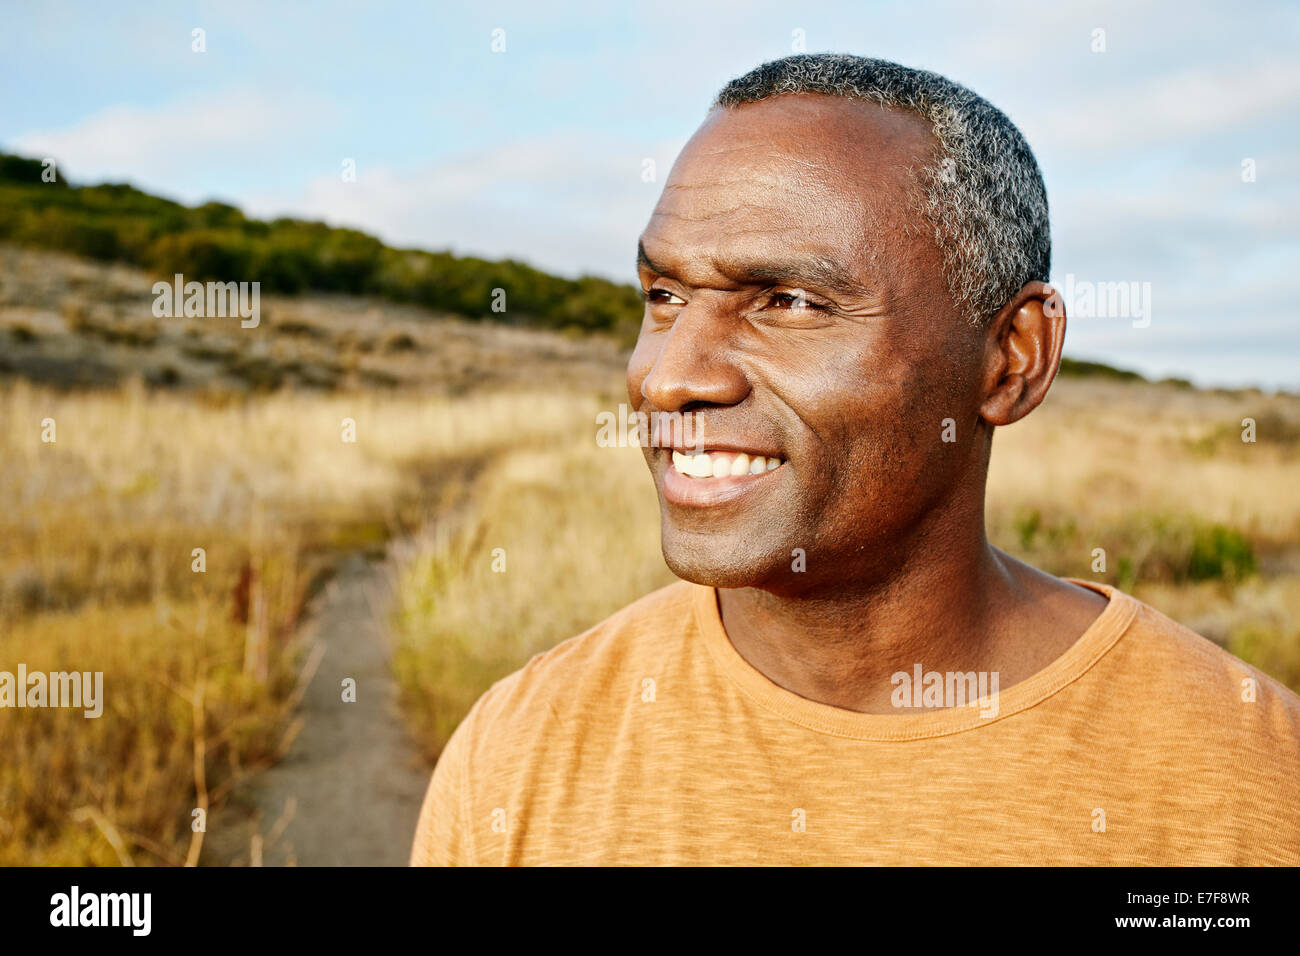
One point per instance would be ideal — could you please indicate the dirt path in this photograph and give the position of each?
(349, 790)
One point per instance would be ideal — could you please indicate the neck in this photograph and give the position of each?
(964, 606)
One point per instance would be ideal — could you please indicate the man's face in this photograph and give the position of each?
(796, 307)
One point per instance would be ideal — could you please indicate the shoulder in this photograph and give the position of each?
(1182, 683)
(1206, 670)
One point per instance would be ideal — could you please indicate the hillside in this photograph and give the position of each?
(72, 322)
(215, 241)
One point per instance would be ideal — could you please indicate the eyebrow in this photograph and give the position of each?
(812, 270)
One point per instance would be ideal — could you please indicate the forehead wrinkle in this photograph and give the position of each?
(751, 176)
(809, 205)
(719, 214)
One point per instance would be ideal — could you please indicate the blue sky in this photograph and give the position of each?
(537, 152)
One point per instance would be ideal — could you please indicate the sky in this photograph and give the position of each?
(1168, 133)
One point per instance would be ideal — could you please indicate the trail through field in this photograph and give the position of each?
(348, 792)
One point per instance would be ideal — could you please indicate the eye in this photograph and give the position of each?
(663, 297)
(797, 299)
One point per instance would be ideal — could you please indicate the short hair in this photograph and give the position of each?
(984, 196)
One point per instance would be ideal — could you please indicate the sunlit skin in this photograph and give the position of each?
(796, 306)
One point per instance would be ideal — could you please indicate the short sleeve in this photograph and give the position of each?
(442, 835)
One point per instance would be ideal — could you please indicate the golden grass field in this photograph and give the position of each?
(200, 677)
(202, 669)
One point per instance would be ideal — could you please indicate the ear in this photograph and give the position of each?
(1022, 352)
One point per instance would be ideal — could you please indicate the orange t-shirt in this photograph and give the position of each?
(649, 740)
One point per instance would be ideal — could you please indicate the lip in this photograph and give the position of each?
(696, 447)
(710, 492)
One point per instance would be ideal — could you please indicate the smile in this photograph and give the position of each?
(720, 464)
(710, 478)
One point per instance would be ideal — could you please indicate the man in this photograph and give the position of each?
(845, 295)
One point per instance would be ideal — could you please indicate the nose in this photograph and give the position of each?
(695, 365)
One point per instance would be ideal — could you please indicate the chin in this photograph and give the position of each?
(719, 565)
(711, 576)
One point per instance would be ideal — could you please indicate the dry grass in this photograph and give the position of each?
(1101, 453)
(199, 668)
(554, 540)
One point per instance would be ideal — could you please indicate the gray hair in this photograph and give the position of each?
(984, 196)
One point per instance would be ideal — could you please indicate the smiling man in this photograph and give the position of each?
(845, 296)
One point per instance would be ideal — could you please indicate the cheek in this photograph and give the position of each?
(875, 443)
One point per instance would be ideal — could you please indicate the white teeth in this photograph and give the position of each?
(722, 464)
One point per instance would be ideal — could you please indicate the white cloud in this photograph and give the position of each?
(161, 148)
(566, 203)
(1171, 108)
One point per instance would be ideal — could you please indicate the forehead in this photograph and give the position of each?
(808, 171)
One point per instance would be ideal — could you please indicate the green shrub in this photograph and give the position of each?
(1219, 552)
(1172, 548)
(202, 255)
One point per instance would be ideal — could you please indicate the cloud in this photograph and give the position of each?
(1172, 109)
(568, 203)
(172, 148)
